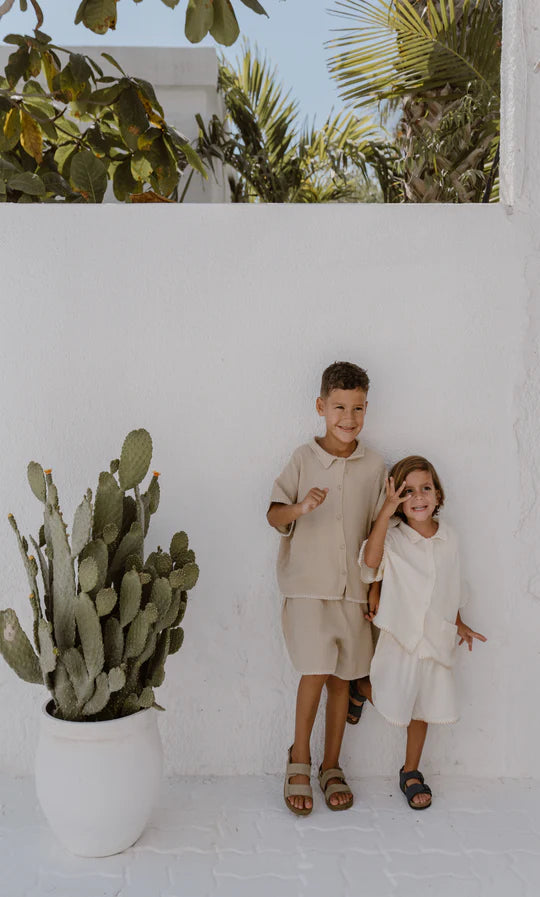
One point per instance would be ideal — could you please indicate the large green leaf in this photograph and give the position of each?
(224, 28)
(132, 117)
(28, 183)
(97, 15)
(199, 19)
(255, 6)
(88, 176)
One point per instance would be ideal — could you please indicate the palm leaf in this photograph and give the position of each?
(390, 50)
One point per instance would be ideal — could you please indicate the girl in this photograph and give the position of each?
(416, 556)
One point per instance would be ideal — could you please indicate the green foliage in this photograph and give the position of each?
(102, 636)
(216, 17)
(66, 136)
(276, 158)
(438, 62)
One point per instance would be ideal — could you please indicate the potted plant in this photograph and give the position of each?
(105, 619)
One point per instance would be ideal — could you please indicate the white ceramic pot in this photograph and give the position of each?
(97, 782)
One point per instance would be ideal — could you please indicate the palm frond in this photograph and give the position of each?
(390, 50)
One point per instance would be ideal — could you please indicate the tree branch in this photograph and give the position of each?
(39, 13)
(5, 7)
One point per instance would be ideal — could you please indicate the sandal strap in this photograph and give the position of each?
(298, 769)
(410, 774)
(335, 773)
(342, 788)
(298, 790)
(412, 790)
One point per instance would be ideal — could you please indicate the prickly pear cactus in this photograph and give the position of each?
(105, 615)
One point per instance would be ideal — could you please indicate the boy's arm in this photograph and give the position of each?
(466, 634)
(280, 515)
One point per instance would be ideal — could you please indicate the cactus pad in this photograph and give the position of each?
(179, 543)
(88, 574)
(82, 526)
(16, 648)
(36, 478)
(135, 458)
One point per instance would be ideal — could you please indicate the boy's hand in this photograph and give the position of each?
(466, 634)
(374, 597)
(313, 499)
(394, 498)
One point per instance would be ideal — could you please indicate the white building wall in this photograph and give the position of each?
(185, 82)
(210, 326)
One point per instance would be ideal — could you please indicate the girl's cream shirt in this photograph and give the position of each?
(421, 589)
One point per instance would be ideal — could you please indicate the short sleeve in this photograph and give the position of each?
(285, 490)
(370, 574)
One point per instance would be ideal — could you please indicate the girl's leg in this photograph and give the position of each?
(336, 714)
(364, 687)
(416, 736)
(307, 703)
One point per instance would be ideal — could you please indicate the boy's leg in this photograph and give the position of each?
(336, 714)
(416, 736)
(307, 703)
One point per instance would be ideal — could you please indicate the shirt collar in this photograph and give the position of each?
(326, 458)
(414, 536)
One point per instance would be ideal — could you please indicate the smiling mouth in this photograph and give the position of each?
(422, 508)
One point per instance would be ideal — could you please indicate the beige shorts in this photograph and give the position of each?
(327, 637)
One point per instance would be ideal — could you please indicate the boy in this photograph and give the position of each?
(323, 504)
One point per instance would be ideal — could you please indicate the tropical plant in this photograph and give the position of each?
(216, 17)
(438, 61)
(274, 156)
(66, 143)
(107, 618)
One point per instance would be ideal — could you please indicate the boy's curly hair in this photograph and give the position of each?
(401, 470)
(343, 375)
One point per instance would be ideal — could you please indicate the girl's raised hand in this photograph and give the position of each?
(466, 634)
(313, 499)
(394, 497)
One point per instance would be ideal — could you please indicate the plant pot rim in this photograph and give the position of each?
(84, 728)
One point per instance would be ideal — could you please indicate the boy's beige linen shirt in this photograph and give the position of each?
(319, 551)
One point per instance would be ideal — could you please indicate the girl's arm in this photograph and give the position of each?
(375, 544)
(466, 634)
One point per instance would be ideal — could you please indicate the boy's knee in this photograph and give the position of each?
(337, 685)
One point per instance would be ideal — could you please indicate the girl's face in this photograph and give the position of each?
(422, 498)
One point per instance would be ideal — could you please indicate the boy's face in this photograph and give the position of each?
(344, 411)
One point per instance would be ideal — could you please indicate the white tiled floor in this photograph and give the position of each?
(233, 837)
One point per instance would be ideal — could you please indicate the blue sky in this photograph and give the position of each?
(293, 37)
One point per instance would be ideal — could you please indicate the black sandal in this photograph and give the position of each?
(411, 791)
(355, 710)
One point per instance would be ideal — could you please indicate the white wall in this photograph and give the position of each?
(210, 325)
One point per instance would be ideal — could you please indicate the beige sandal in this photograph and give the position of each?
(297, 769)
(336, 788)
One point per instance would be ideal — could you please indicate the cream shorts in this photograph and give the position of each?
(409, 686)
(327, 637)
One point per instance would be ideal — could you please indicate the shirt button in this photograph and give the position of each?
(338, 516)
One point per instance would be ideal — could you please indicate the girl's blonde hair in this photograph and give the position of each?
(401, 470)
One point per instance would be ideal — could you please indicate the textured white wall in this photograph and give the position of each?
(210, 326)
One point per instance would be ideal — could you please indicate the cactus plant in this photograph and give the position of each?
(104, 618)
